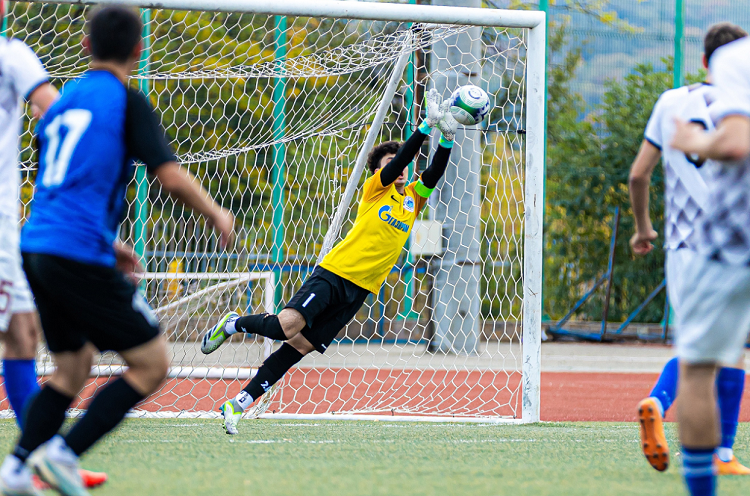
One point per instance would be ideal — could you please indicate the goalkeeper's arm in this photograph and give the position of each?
(404, 155)
(409, 150)
(435, 171)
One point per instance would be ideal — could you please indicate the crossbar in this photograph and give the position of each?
(373, 11)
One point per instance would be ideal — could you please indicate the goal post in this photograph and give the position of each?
(217, 78)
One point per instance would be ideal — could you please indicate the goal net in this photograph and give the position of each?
(274, 112)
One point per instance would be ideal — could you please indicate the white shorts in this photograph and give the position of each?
(677, 261)
(714, 320)
(15, 296)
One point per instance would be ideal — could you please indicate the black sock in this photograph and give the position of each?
(44, 417)
(273, 369)
(264, 324)
(105, 412)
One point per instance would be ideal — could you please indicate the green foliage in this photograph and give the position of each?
(597, 9)
(587, 177)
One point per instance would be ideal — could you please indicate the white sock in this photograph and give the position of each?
(229, 327)
(244, 400)
(59, 451)
(659, 405)
(725, 454)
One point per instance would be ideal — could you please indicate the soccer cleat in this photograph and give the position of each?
(58, 466)
(216, 336)
(732, 467)
(16, 478)
(90, 480)
(232, 414)
(653, 440)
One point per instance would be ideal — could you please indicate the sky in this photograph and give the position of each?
(609, 53)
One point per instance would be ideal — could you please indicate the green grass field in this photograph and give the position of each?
(195, 457)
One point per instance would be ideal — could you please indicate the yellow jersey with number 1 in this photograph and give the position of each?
(384, 219)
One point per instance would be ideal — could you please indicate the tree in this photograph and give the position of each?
(588, 163)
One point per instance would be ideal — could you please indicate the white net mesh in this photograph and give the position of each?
(270, 115)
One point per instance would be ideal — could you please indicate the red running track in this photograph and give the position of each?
(566, 396)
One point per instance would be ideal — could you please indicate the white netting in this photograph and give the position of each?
(443, 335)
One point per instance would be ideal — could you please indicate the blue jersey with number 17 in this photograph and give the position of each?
(85, 164)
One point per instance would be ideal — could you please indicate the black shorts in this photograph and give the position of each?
(79, 303)
(327, 302)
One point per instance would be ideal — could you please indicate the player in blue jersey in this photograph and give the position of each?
(22, 77)
(77, 269)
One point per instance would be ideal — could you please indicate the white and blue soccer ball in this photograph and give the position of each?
(469, 105)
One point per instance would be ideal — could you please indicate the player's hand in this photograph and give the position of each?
(223, 223)
(434, 112)
(127, 261)
(448, 125)
(641, 243)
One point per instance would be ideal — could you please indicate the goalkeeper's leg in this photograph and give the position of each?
(312, 299)
(272, 370)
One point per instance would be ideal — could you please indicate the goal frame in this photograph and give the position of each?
(536, 23)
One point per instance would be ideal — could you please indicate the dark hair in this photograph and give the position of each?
(719, 35)
(114, 31)
(380, 151)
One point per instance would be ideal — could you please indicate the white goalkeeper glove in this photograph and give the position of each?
(447, 123)
(434, 109)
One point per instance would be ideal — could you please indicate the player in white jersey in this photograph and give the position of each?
(686, 197)
(714, 325)
(22, 77)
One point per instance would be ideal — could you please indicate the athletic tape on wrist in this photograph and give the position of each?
(423, 190)
(424, 128)
(445, 143)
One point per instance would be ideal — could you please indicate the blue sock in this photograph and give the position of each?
(20, 384)
(730, 383)
(698, 470)
(665, 389)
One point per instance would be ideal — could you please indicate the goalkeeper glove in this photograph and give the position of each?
(434, 111)
(447, 123)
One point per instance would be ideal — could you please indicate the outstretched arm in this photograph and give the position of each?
(405, 154)
(409, 150)
(146, 141)
(435, 171)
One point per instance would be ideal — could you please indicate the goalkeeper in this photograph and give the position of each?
(354, 268)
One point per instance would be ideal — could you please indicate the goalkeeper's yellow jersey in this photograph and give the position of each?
(384, 219)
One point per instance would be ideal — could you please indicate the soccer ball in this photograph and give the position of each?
(469, 105)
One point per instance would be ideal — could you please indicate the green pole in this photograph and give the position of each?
(141, 181)
(5, 24)
(544, 7)
(278, 173)
(679, 42)
(409, 312)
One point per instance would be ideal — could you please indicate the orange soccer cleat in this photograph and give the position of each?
(653, 440)
(90, 479)
(732, 467)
